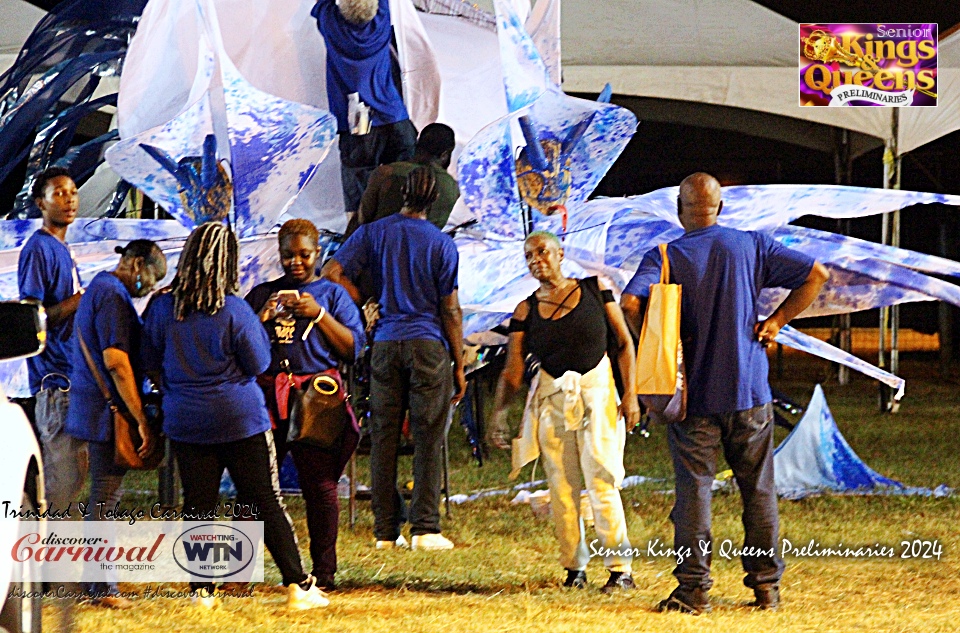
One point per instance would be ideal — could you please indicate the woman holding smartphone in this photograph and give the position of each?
(205, 347)
(313, 325)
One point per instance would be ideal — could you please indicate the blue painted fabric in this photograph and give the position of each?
(816, 458)
(358, 60)
(209, 365)
(414, 266)
(105, 318)
(47, 273)
(722, 272)
(314, 354)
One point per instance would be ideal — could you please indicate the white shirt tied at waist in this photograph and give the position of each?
(584, 402)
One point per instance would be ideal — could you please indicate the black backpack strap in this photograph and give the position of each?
(592, 284)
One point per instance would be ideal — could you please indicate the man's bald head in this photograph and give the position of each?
(699, 201)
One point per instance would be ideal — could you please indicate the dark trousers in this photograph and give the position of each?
(318, 471)
(252, 466)
(414, 375)
(361, 154)
(747, 441)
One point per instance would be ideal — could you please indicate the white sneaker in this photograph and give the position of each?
(301, 600)
(431, 542)
(400, 542)
(205, 599)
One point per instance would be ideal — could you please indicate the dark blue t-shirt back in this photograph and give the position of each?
(722, 271)
(47, 273)
(209, 365)
(414, 266)
(106, 318)
(358, 60)
(314, 354)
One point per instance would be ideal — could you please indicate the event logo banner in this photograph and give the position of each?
(147, 551)
(868, 65)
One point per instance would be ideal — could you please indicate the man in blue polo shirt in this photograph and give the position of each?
(418, 336)
(357, 36)
(722, 272)
(46, 272)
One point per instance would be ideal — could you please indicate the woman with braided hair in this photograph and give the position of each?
(207, 346)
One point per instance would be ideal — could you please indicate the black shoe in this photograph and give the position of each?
(685, 600)
(327, 583)
(768, 597)
(576, 579)
(618, 581)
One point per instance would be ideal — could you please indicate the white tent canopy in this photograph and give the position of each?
(733, 53)
(19, 18)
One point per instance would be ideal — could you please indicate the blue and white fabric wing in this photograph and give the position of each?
(180, 138)
(816, 458)
(581, 140)
(272, 145)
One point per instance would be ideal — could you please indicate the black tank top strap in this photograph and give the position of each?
(576, 341)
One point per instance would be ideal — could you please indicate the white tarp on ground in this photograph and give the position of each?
(733, 53)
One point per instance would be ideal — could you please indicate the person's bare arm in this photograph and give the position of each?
(796, 302)
(333, 271)
(633, 308)
(498, 432)
(117, 363)
(335, 333)
(627, 361)
(451, 317)
(63, 311)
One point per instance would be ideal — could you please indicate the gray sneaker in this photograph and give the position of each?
(618, 581)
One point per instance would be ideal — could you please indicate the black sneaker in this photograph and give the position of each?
(693, 601)
(325, 582)
(576, 579)
(618, 581)
(767, 597)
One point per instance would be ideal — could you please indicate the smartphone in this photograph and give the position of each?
(286, 297)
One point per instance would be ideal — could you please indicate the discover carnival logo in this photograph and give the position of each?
(891, 65)
(144, 551)
(215, 551)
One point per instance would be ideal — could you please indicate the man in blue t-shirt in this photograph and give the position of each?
(47, 273)
(357, 35)
(722, 272)
(419, 333)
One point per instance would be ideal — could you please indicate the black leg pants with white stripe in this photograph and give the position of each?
(251, 463)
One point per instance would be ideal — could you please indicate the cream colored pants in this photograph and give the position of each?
(569, 464)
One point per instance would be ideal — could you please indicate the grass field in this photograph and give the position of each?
(503, 576)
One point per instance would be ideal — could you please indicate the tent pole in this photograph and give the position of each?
(890, 235)
(842, 166)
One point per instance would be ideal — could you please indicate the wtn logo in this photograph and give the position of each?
(221, 551)
(214, 551)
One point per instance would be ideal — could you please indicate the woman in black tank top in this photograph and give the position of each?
(565, 324)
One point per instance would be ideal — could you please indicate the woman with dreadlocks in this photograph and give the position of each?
(313, 325)
(208, 347)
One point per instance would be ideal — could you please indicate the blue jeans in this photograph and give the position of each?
(747, 441)
(105, 480)
(64, 458)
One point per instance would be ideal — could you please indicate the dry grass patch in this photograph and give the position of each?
(503, 576)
